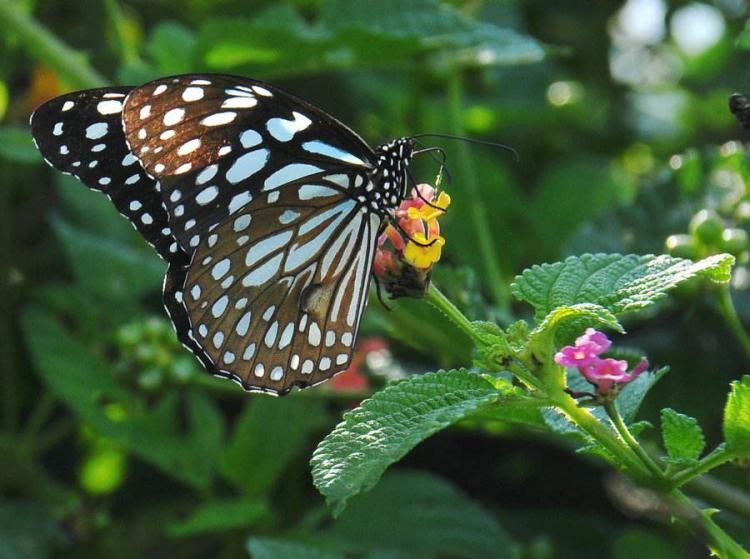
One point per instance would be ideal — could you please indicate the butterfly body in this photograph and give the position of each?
(266, 208)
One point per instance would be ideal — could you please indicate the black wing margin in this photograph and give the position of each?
(81, 134)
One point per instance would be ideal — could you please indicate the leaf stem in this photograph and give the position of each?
(631, 441)
(443, 304)
(623, 454)
(720, 542)
(46, 47)
(475, 205)
(707, 463)
(729, 313)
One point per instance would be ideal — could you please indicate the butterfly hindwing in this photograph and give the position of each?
(274, 296)
(81, 134)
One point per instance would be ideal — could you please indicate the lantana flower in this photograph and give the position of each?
(607, 375)
(403, 265)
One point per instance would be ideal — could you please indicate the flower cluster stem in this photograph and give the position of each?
(629, 439)
(438, 299)
(729, 313)
(497, 284)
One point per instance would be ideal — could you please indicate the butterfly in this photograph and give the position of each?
(266, 208)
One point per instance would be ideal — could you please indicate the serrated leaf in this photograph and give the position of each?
(219, 516)
(291, 420)
(737, 417)
(417, 514)
(618, 283)
(682, 435)
(567, 322)
(353, 457)
(269, 548)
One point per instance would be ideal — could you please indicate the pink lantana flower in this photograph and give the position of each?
(607, 374)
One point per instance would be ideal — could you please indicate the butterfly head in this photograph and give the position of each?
(390, 177)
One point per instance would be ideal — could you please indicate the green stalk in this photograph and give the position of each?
(631, 441)
(475, 205)
(719, 494)
(623, 454)
(729, 313)
(127, 51)
(708, 463)
(441, 302)
(719, 542)
(46, 47)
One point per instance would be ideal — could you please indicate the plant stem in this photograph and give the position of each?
(128, 53)
(729, 313)
(709, 462)
(441, 302)
(720, 542)
(631, 441)
(476, 206)
(47, 48)
(623, 454)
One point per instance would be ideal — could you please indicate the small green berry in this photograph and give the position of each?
(682, 246)
(707, 226)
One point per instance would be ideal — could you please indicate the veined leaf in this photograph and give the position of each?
(683, 437)
(737, 417)
(416, 514)
(618, 283)
(567, 322)
(384, 428)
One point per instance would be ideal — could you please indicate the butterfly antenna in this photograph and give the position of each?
(516, 155)
(419, 194)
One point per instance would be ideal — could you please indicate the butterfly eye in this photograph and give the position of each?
(266, 208)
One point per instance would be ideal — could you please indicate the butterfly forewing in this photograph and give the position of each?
(217, 141)
(81, 134)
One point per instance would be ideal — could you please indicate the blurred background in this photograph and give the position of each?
(114, 443)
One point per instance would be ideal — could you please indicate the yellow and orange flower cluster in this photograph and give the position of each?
(404, 267)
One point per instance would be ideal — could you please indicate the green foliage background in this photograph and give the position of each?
(113, 442)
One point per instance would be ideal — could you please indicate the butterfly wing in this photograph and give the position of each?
(274, 296)
(266, 193)
(81, 134)
(215, 142)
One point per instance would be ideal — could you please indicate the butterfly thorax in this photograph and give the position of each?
(388, 180)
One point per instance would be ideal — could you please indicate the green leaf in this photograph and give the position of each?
(174, 435)
(384, 428)
(269, 434)
(630, 397)
(162, 44)
(682, 435)
(17, 146)
(566, 322)
(108, 268)
(360, 33)
(416, 514)
(737, 417)
(267, 548)
(618, 283)
(219, 516)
